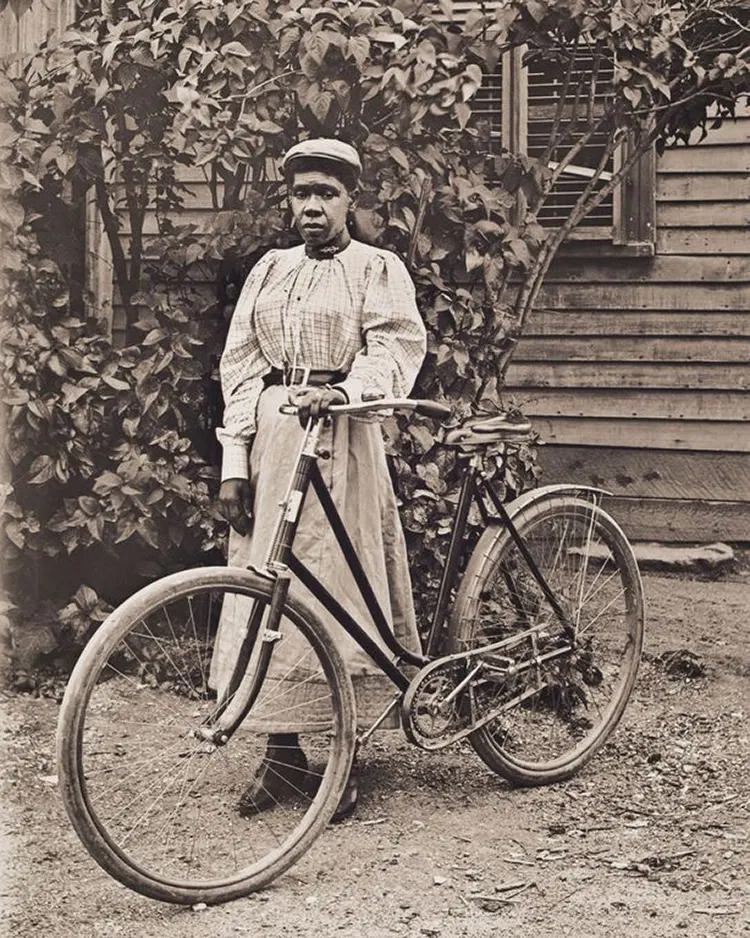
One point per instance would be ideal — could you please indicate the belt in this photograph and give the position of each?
(316, 379)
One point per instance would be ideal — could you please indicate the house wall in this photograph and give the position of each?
(20, 37)
(635, 371)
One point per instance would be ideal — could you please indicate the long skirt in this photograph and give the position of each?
(357, 477)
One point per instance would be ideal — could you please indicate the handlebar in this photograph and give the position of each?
(422, 407)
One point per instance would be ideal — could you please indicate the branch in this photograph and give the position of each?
(585, 204)
(136, 210)
(574, 151)
(109, 220)
(424, 193)
(555, 129)
(529, 291)
(592, 87)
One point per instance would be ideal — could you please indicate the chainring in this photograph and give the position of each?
(457, 694)
(428, 714)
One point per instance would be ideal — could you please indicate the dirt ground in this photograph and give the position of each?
(651, 839)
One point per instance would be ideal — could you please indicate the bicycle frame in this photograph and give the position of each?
(281, 557)
(281, 563)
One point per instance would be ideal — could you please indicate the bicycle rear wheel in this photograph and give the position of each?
(154, 802)
(567, 705)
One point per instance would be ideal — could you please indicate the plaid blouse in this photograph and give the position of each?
(354, 312)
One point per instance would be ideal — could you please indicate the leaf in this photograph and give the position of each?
(89, 504)
(43, 468)
(101, 90)
(633, 95)
(130, 426)
(106, 482)
(56, 366)
(149, 532)
(11, 212)
(115, 383)
(31, 179)
(473, 259)
(463, 113)
(536, 9)
(236, 48)
(40, 409)
(193, 253)
(358, 48)
(385, 35)
(519, 251)
(86, 598)
(8, 91)
(15, 396)
(422, 435)
(321, 105)
(399, 157)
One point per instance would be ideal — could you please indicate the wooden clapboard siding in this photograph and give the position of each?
(689, 187)
(637, 433)
(654, 473)
(624, 403)
(713, 269)
(608, 375)
(723, 214)
(641, 322)
(635, 349)
(706, 240)
(636, 371)
(678, 519)
(643, 295)
(704, 158)
(19, 38)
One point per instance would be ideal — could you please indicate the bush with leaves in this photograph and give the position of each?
(104, 484)
(136, 92)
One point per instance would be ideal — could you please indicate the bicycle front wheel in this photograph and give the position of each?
(562, 705)
(153, 799)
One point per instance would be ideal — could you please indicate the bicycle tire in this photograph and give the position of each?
(118, 696)
(498, 598)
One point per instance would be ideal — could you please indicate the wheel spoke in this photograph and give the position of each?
(579, 553)
(160, 796)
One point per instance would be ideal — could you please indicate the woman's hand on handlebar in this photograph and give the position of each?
(236, 504)
(312, 402)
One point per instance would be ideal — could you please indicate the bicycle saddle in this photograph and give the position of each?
(497, 429)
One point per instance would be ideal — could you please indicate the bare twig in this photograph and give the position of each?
(424, 194)
(563, 94)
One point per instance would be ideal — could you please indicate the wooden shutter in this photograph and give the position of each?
(546, 83)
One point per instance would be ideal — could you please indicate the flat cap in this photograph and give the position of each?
(324, 148)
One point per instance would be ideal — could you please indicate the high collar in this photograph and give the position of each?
(326, 251)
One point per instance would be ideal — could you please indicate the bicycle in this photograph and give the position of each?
(534, 666)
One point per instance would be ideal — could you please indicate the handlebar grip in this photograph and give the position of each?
(433, 409)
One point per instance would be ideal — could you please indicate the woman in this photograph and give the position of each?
(341, 316)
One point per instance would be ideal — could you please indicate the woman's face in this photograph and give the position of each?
(320, 204)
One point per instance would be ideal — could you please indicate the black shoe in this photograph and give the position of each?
(281, 776)
(349, 797)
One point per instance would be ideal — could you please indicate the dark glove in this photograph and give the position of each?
(236, 504)
(313, 402)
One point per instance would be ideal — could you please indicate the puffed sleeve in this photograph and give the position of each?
(241, 370)
(394, 334)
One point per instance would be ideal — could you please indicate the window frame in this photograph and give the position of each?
(633, 231)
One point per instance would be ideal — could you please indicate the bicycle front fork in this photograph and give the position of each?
(244, 684)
